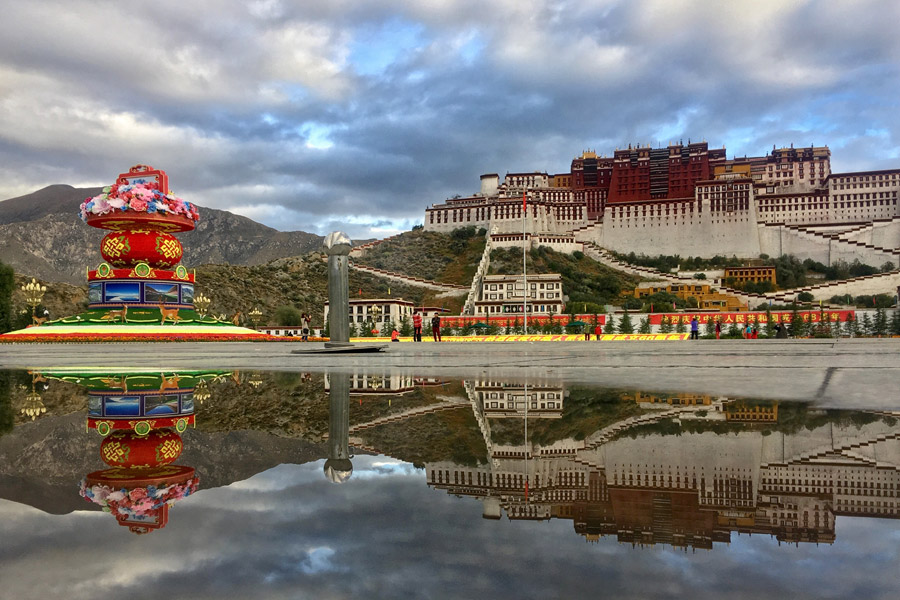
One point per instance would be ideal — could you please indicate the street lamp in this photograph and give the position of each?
(255, 380)
(33, 406)
(201, 303)
(201, 392)
(255, 316)
(374, 312)
(34, 293)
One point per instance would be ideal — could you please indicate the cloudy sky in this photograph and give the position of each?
(288, 533)
(317, 115)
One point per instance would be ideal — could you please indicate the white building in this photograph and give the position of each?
(384, 311)
(505, 295)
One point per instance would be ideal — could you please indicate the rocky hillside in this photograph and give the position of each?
(430, 255)
(41, 235)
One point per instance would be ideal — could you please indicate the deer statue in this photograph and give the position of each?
(169, 383)
(116, 382)
(36, 320)
(236, 319)
(116, 315)
(168, 314)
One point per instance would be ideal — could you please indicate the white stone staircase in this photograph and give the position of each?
(449, 289)
(480, 272)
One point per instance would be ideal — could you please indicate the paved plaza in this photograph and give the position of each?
(857, 373)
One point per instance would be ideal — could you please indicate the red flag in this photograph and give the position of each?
(673, 305)
(651, 307)
(873, 300)
(524, 204)
(526, 488)
(360, 291)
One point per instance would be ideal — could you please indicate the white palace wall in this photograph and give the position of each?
(688, 234)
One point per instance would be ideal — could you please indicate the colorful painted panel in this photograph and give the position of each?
(161, 292)
(187, 403)
(187, 294)
(161, 405)
(122, 406)
(95, 292)
(95, 406)
(122, 291)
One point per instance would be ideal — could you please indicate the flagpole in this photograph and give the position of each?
(526, 442)
(524, 270)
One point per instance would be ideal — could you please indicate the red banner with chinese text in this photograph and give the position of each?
(742, 318)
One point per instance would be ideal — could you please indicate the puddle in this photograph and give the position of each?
(380, 484)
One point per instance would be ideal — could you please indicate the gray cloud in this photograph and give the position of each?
(305, 114)
(288, 533)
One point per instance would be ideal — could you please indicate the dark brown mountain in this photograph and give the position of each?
(41, 235)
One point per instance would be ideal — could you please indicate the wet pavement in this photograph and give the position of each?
(839, 373)
(369, 478)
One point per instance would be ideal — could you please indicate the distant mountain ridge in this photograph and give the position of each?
(41, 235)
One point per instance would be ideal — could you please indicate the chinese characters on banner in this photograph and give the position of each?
(727, 318)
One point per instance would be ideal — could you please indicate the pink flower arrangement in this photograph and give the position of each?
(139, 197)
(137, 502)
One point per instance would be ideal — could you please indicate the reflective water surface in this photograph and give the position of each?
(220, 484)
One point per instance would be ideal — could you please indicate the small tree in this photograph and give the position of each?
(733, 330)
(406, 328)
(709, 329)
(880, 324)
(769, 326)
(625, 325)
(680, 327)
(288, 316)
(895, 323)
(666, 325)
(518, 326)
(645, 325)
(610, 325)
(7, 284)
(852, 325)
(866, 328)
(796, 322)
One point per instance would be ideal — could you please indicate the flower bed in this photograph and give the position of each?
(80, 337)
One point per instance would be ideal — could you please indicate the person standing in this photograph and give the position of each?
(598, 331)
(718, 329)
(436, 327)
(417, 327)
(695, 328)
(305, 323)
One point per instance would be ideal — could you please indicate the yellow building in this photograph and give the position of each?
(741, 275)
(683, 399)
(707, 298)
(736, 411)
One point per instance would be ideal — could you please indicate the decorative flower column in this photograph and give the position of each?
(140, 416)
(141, 254)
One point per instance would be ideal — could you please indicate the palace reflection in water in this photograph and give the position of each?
(685, 470)
(678, 469)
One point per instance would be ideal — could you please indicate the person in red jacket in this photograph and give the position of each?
(598, 330)
(417, 327)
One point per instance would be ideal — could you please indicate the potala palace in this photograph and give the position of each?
(691, 200)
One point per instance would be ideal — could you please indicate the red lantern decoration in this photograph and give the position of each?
(131, 450)
(128, 248)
